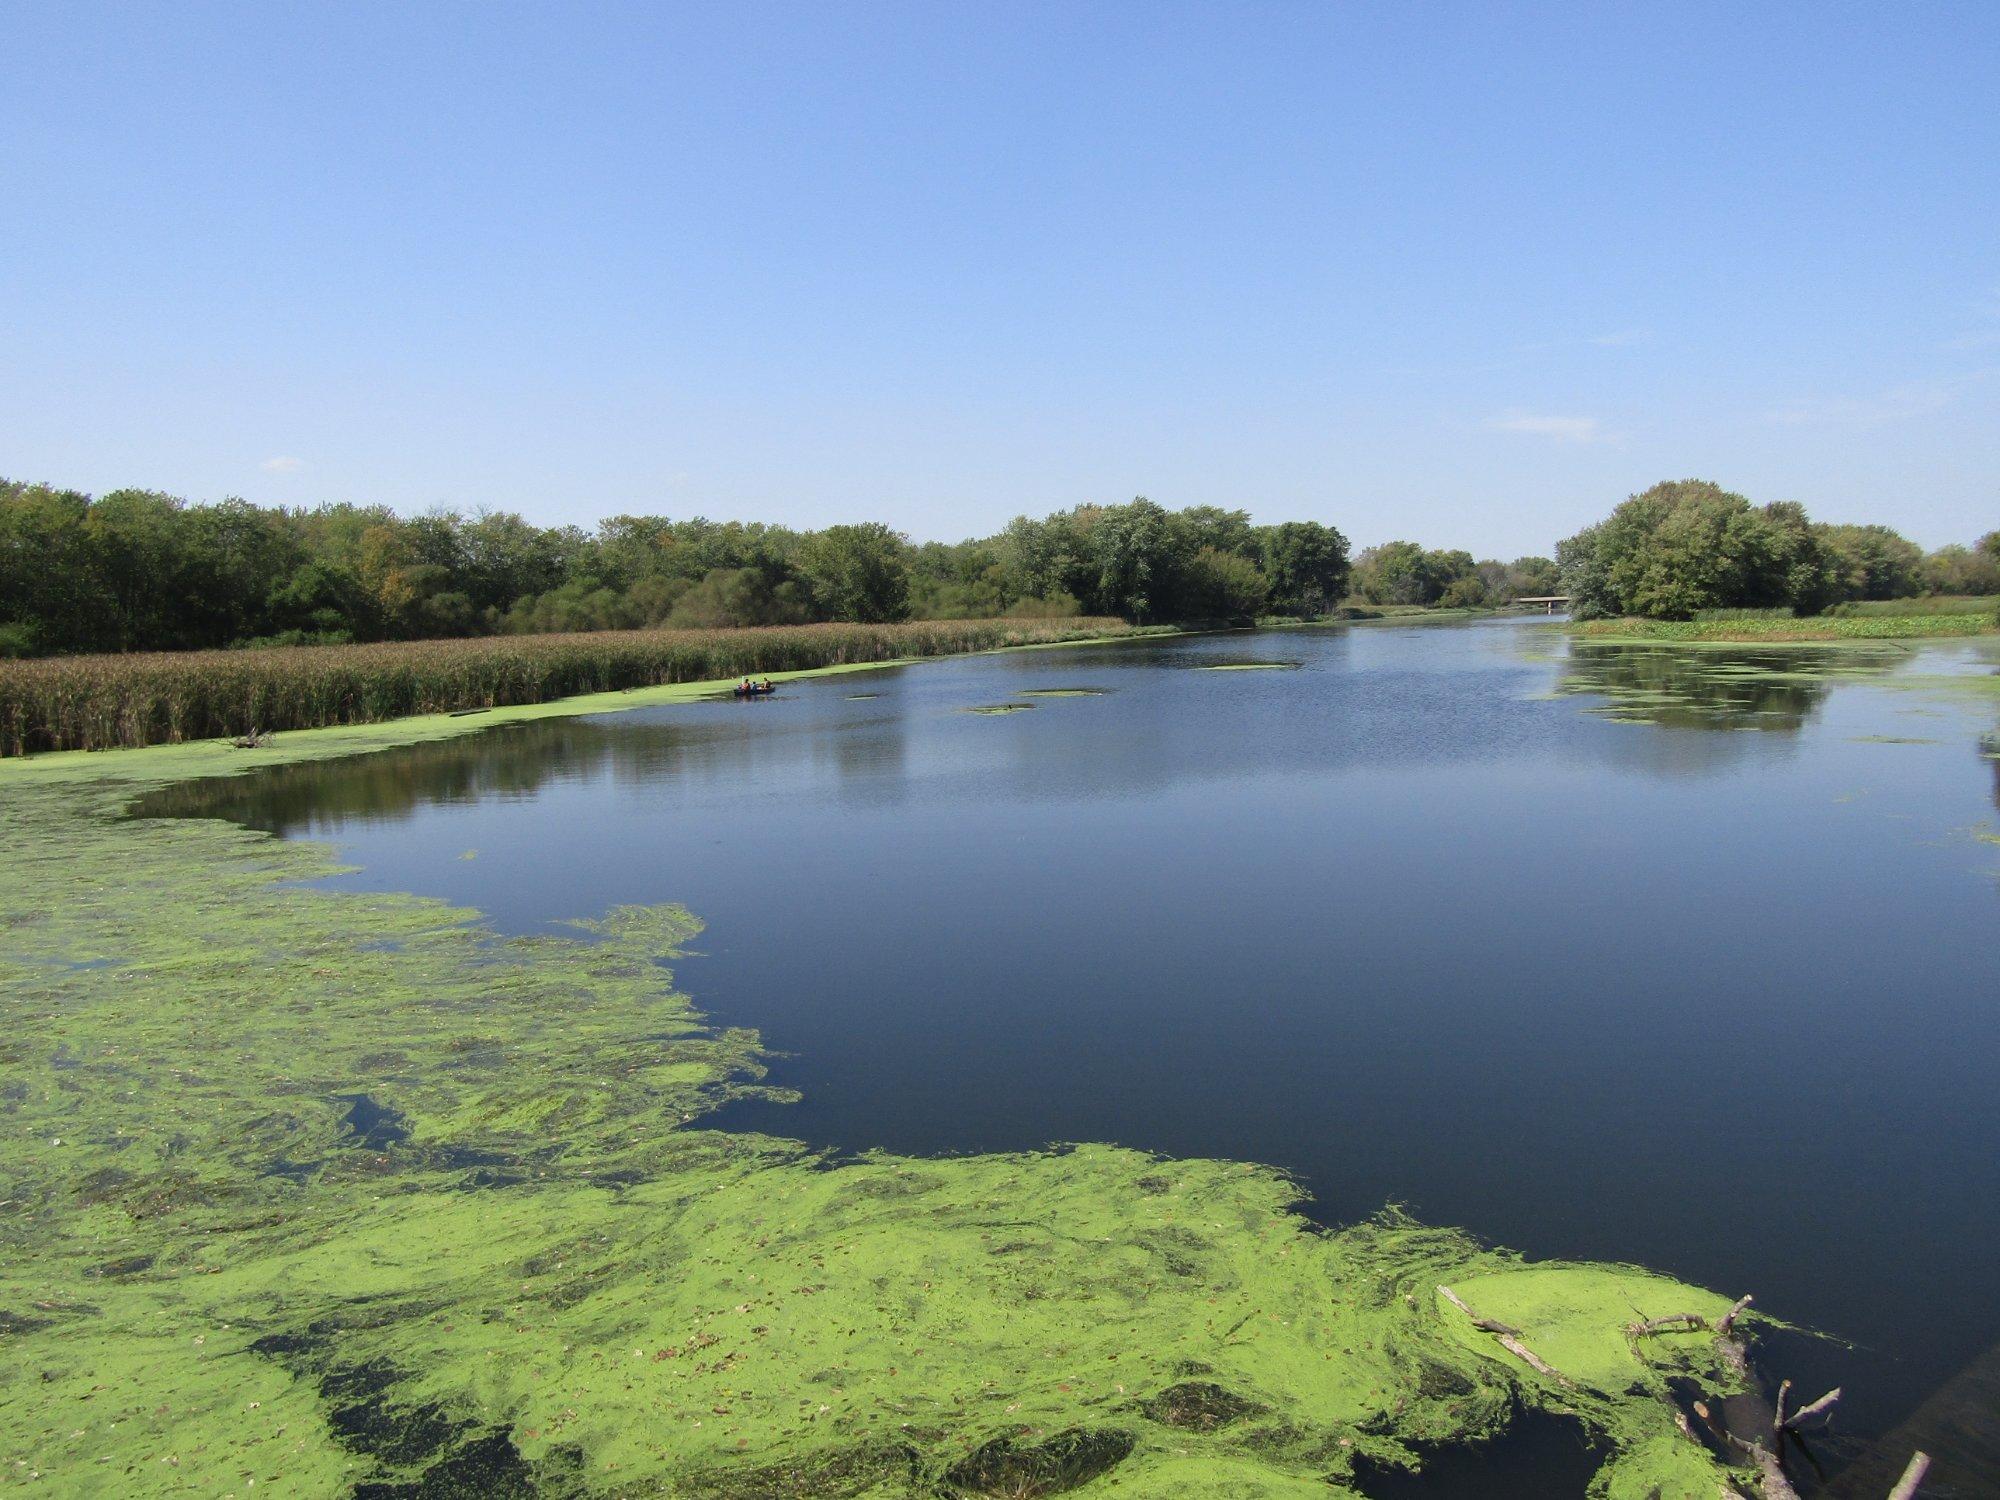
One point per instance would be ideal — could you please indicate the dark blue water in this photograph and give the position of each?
(1715, 994)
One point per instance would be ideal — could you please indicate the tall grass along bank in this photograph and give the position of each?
(101, 702)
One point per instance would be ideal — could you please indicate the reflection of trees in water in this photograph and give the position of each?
(1708, 688)
(514, 762)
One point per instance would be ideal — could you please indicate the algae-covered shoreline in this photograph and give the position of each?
(1815, 630)
(319, 1191)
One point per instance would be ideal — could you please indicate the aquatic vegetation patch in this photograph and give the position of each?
(1713, 687)
(1063, 692)
(346, 1193)
(1249, 666)
(1000, 708)
(1779, 626)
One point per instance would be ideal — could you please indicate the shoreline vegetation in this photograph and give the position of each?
(125, 701)
(1778, 627)
(346, 1192)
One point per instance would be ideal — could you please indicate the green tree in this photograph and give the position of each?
(1533, 578)
(1049, 557)
(1689, 545)
(1962, 570)
(1139, 561)
(857, 573)
(1874, 561)
(51, 597)
(1801, 571)
(1405, 573)
(739, 596)
(1306, 565)
(1218, 585)
(1199, 526)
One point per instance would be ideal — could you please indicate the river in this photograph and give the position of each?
(1674, 956)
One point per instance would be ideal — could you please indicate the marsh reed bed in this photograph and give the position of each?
(102, 702)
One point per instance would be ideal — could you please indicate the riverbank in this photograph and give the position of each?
(330, 1189)
(101, 702)
(1759, 628)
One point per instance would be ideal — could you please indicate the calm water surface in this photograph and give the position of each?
(1715, 994)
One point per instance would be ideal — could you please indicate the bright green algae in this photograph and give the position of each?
(333, 1191)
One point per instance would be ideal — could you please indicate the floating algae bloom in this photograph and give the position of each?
(345, 1192)
(1000, 708)
(1063, 692)
(1250, 666)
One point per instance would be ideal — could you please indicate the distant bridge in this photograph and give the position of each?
(1550, 603)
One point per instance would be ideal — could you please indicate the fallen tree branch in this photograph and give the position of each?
(1817, 1408)
(1729, 1318)
(1906, 1487)
(1508, 1338)
(1672, 1323)
(1485, 1325)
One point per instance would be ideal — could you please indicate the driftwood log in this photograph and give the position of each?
(1510, 1339)
(1906, 1487)
(1764, 1446)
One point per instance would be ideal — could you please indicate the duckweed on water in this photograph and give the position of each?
(343, 1192)
(1063, 692)
(1000, 708)
(1250, 666)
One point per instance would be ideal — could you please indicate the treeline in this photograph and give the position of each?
(1405, 573)
(1689, 545)
(136, 570)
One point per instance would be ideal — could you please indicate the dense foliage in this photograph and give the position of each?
(1688, 545)
(138, 571)
(1405, 573)
(135, 570)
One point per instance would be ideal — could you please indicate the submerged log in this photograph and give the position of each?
(1957, 1427)
(1772, 1473)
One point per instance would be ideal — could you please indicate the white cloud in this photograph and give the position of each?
(1562, 429)
(282, 465)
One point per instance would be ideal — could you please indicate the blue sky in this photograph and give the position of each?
(1462, 273)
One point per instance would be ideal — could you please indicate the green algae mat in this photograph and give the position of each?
(321, 1193)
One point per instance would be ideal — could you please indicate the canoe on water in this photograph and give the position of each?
(755, 690)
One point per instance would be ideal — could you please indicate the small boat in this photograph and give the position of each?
(754, 689)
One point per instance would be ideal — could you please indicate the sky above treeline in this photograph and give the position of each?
(1462, 273)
